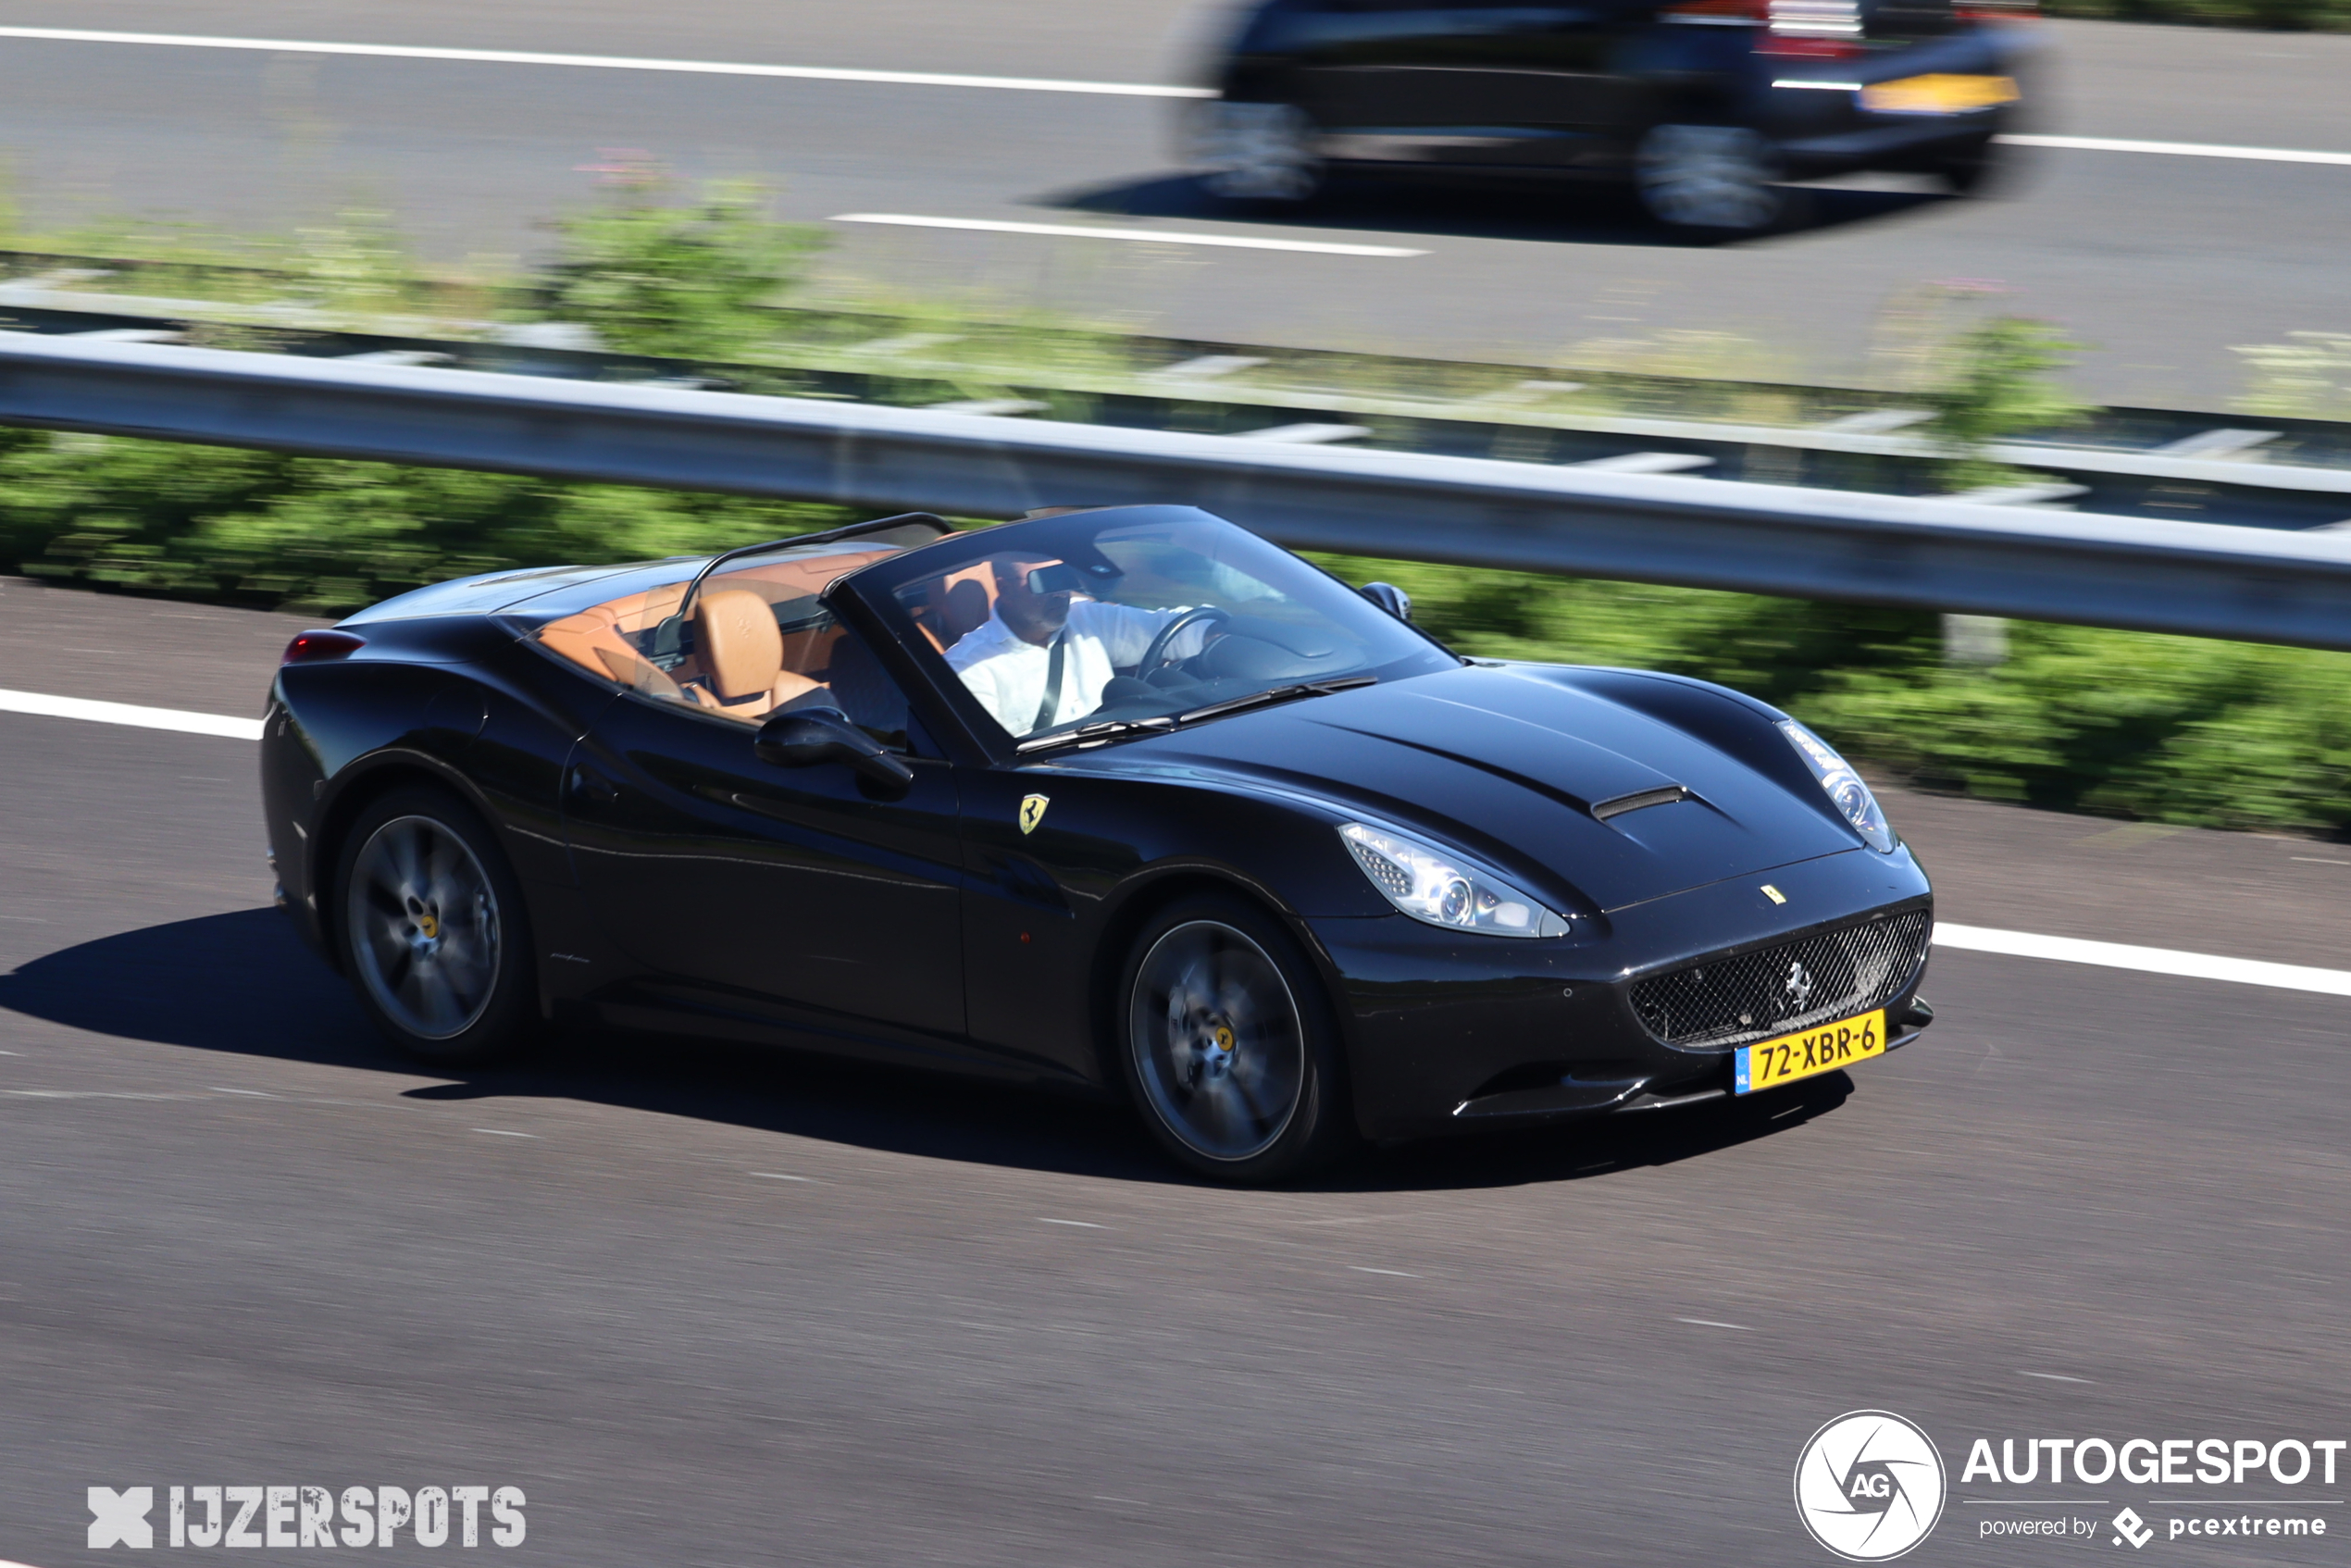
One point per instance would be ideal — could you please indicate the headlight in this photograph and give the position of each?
(1445, 889)
(1845, 786)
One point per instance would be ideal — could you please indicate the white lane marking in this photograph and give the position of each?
(608, 62)
(779, 1176)
(2054, 1378)
(1079, 232)
(1392, 1273)
(2319, 860)
(2175, 149)
(1710, 1323)
(255, 1094)
(954, 79)
(1078, 1225)
(502, 1132)
(2149, 960)
(222, 724)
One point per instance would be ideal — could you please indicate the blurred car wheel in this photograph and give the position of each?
(1228, 1046)
(1710, 179)
(431, 929)
(1975, 171)
(1257, 151)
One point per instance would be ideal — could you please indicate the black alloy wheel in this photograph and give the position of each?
(432, 928)
(1228, 1045)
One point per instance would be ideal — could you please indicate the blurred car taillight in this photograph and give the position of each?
(1829, 29)
(311, 647)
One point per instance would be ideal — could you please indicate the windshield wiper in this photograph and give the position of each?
(1107, 730)
(1276, 694)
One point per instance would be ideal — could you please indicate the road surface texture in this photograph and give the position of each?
(706, 1305)
(2162, 263)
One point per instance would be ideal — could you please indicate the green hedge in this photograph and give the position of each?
(2173, 728)
(2331, 16)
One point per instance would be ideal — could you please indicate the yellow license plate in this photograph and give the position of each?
(1938, 94)
(1768, 1064)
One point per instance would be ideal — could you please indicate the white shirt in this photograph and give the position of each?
(1006, 672)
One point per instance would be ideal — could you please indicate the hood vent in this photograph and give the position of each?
(1623, 803)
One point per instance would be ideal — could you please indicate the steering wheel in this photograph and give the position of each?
(1157, 652)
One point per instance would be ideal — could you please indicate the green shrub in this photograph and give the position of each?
(677, 279)
(250, 528)
(2288, 14)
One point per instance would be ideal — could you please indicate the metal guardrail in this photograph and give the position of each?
(2155, 575)
(2167, 463)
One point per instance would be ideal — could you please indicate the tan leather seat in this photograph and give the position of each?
(740, 653)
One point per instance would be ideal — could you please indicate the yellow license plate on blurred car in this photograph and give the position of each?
(1938, 94)
(1771, 1063)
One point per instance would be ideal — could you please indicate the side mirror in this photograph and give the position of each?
(812, 737)
(1389, 597)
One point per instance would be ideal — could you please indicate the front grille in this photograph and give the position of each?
(1776, 991)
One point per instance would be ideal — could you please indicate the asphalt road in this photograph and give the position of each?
(241, 1244)
(2162, 263)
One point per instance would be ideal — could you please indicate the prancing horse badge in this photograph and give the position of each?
(1032, 812)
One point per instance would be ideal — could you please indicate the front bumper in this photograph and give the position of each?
(1448, 1033)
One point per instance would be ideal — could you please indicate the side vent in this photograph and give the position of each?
(1623, 803)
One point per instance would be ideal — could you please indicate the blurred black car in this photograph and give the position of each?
(1126, 799)
(1707, 106)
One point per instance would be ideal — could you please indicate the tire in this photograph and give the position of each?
(1972, 172)
(1228, 1046)
(433, 931)
(1709, 181)
(1263, 154)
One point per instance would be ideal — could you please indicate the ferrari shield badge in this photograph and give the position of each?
(1032, 812)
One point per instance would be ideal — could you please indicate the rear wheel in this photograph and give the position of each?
(1257, 152)
(1710, 179)
(1228, 1046)
(433, 931)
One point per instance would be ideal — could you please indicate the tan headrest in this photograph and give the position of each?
(741, 649)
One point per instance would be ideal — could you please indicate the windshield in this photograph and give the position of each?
(1143, 615)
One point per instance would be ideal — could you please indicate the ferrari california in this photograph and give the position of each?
(1126, 800)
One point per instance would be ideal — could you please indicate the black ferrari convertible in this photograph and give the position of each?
(1125, 799)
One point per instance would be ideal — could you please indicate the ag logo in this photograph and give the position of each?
(1032, 812)
(1869, 1486)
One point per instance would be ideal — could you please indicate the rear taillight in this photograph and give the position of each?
(311, 647)
(1813, 29)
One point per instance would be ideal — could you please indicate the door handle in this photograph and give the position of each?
(589, 785)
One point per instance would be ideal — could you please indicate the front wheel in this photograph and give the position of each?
(1228, 1046)
(1259, 153)
(1973, 169)
(1710, 179)
(433, 931)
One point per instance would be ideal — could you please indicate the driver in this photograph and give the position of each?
(1044, 654)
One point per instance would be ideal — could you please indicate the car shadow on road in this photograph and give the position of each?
(244, 984)
(1597, 215)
